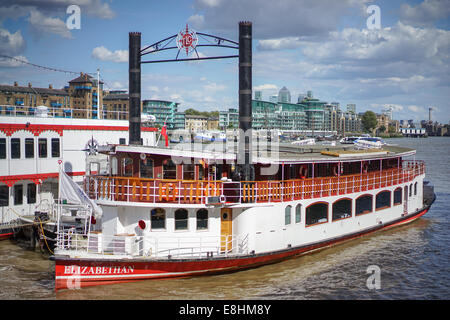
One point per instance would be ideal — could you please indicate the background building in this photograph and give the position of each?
(115, 105)
(164, 112)
(196, 122)
(284, 95)
(19, 100)
(229, 119)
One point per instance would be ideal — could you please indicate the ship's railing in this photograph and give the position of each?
(59, 111)
(151, 247)
(152, 190)
(131, 189)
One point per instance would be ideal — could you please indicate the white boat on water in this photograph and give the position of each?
(304, 142)
(369, 142)
(164, 219)
(210, 136)
(348, 140)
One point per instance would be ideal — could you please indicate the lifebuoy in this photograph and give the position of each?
(208, 187)
(303, 171)
(334, 169)
(169, 192)
(365, 168)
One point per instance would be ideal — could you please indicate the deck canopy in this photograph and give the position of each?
(282, 153)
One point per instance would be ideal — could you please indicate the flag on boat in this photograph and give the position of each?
(71, 192)
(164, 133)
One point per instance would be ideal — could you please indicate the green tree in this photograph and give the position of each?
(369, 121)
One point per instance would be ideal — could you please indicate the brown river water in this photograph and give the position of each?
(413, 261)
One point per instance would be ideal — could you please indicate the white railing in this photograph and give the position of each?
(57, 111)
(150, 247)
(132, 189)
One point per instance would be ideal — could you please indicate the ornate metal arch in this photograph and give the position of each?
(189, 40)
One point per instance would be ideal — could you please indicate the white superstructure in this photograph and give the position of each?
(32, 149)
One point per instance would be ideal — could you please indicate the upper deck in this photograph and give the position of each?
(277, 153)
(199, 177)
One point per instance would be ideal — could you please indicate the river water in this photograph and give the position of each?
(413, 261)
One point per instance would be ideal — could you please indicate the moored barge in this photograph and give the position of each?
(181, 212)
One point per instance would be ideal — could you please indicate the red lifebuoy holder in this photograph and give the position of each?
(303, 172)
(141, 224)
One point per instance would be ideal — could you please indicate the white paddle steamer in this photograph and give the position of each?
(180, 212)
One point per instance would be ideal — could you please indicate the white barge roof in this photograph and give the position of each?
(284, 153)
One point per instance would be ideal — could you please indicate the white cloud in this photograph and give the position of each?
(11, 43)
(213, 87)
(51, 7)
(102, 53)
(273, 19)
(45, 25)
(280, 43)
(153, 88)
(197, 21)
(425, 13)
(267, 86)
(117, 85)
(414, 108)
(6, 62)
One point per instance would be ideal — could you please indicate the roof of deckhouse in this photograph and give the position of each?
(285, 153)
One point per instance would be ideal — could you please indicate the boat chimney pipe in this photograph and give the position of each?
(244, 155)
(134, 92)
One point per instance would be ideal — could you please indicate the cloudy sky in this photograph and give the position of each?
(325, 46)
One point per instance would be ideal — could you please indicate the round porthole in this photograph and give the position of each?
(225, 216)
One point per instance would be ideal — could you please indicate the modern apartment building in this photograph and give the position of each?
(165, 112)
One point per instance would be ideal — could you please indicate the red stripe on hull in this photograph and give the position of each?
(78, 273)
(4, 236)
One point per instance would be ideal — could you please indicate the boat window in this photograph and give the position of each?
(410, 190)
(398, 196)
(201, 172)
(202, 219)
(342, 209)
(18, 194)
(42, 147)
(181, 219)
(316, 213)
(189, 171)
(146, 168)
(158, 218)
(415, 189)
(406, 193)
(29, 148)
(363, 204)
(15, 148)
(169, 169)
(4, 196)
(2, 148)
(55, 148)
(287, 215)
(127, 167)
(31, 193)
(383, 200)
(298, 213)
